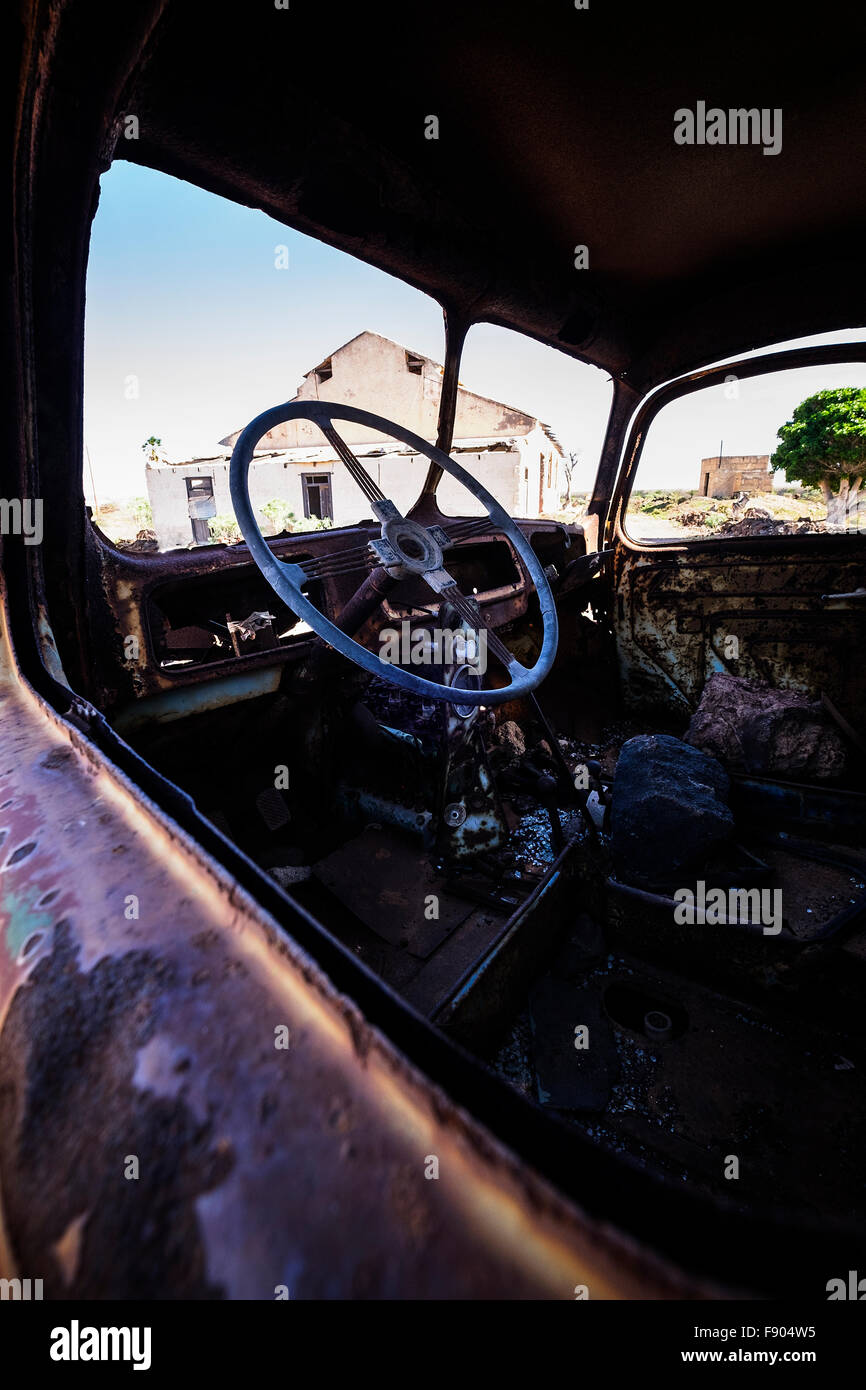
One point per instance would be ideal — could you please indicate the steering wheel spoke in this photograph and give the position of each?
(473, 618)
(368, 485)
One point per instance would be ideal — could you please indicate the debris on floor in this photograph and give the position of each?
(752, 728)
(757, 522)
(669, 810)
(511, 739)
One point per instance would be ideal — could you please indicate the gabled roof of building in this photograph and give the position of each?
(532, 420)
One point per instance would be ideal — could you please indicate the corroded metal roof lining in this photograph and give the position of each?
(556, 131)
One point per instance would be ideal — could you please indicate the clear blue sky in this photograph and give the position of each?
(186, 308)
(184, 295)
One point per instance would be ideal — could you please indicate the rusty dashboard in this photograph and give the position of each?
(188, 613)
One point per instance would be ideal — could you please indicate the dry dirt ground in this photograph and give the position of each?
(651, 516)
(666, 515)
(118, 521)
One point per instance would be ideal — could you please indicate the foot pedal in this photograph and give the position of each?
(272, 808)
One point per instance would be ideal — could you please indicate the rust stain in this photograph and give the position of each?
(140, 1082)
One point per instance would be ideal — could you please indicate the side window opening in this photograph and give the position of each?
(755, 456)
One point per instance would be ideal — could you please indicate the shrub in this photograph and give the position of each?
(224, 528)
(280, 515)
(142, 512)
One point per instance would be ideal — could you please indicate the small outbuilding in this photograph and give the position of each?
(727, 474)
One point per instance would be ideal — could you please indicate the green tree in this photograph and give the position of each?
(152, 449)
(824, 445)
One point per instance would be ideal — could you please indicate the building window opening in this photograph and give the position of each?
(317, 496)
(200, 507)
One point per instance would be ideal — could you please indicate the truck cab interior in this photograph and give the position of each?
(462, 847)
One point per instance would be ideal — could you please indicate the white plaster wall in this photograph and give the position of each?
(497, 470)
(400, 477)
(166, 491)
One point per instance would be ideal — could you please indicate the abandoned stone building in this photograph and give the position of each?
(516, 456)
(727, 474)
